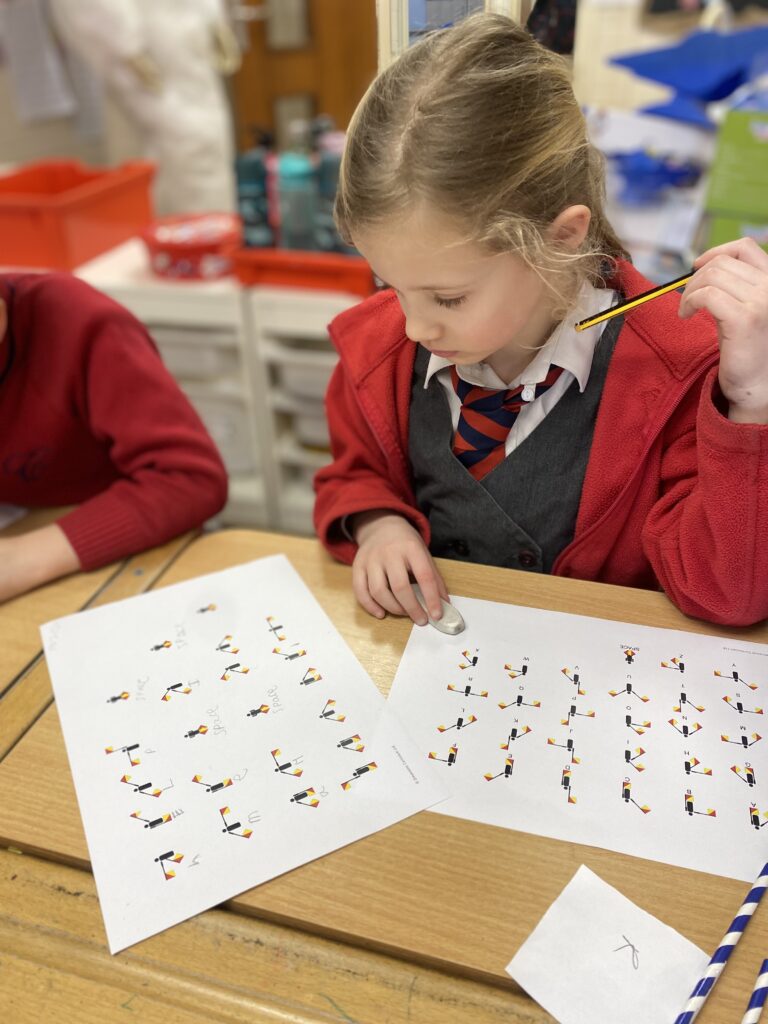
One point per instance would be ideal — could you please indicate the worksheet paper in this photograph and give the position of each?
(220, 732)
(646, 741)
(596, 956)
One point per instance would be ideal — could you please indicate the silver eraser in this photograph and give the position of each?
(451, 621)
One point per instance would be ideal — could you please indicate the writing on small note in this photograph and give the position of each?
(595, 955)
(635, 953)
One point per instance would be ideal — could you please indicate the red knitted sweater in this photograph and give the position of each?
(90, 416)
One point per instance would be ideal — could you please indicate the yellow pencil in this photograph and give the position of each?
(623, 307)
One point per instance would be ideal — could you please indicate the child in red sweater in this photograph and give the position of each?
(90, 417)
(635, 452)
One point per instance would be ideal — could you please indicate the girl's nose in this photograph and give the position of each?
(422, 330)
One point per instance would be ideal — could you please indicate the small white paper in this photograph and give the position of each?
(596, 956)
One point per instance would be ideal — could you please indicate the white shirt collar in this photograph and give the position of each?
(566, 347)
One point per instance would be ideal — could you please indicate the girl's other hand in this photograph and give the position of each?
(390, 551)
(731, 281)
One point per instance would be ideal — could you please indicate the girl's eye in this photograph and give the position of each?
(450, 303)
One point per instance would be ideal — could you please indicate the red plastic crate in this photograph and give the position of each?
(326, 271)
(60, 213)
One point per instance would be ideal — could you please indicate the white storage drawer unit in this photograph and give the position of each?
(223, 410)
(294, 361)
(197, 353)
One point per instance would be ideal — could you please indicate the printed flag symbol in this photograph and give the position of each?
(170, 857)
(736, 678)
(241, 670)
(262, 710)
(201, 730)
(212, 787)
(684, 729)
(466, 691)
(691, 767)
(743, 739)
(145, 788)
(231, 829)
(306, 798)
(285, 767)
(459, 724)
(274, 628)
(506, 771)
(470, 660)
(358, 773)
(289, 655)
(330, 714)
(737, 705)
(152, 822)
(177, 688)
(748, 774)
(453, 753)
(352, 743)
(626, 796)
(225, 645)
(515, 734)
(133, 761)
(689, 808)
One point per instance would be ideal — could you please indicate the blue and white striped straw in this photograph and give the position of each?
(705, 984)
(759, 994)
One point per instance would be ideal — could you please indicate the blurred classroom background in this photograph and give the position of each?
(182, 156)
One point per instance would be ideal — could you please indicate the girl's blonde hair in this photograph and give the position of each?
(480, 122)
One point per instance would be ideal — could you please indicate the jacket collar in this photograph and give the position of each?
(369, 333)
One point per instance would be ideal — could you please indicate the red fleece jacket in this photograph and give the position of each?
(90, 416)
(675, 494)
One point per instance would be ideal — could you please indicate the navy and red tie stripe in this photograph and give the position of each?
(487, 416)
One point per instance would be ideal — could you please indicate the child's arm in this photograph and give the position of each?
(364, 489)
(707, 535)
(731, 281)
(31, 559)
(171, 477)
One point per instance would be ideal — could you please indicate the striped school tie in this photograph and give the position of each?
(487, 416)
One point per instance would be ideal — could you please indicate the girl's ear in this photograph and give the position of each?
(569, 228)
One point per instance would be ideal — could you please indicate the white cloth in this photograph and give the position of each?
(566, 347)
(41, 88)
(186, 126)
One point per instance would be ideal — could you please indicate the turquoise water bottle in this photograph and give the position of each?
(297, 187)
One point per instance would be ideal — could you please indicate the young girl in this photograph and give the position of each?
(635, 452)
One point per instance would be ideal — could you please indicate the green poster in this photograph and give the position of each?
(738, 186)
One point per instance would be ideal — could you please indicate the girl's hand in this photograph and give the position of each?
(731, 281)
(390, 550)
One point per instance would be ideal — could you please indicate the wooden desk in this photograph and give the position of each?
(21, 618)
(440, 893)
(25, 689)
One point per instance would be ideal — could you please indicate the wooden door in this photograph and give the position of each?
(304, 58)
